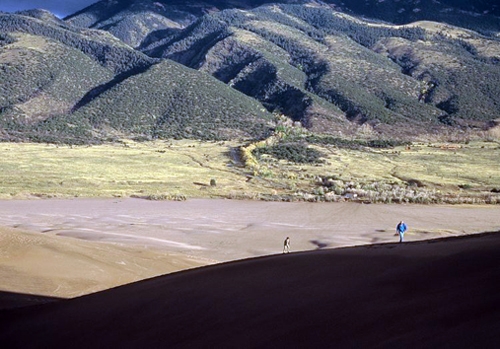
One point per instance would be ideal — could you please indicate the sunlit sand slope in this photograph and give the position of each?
(40, 264)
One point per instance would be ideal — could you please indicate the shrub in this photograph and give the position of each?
(293, 152)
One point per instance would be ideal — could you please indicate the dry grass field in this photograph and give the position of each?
(176, 170)
(169, 170)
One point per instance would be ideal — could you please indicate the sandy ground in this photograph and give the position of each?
(65, 248)
(426, 294)
(37, 264)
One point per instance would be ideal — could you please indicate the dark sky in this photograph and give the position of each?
(59, 7)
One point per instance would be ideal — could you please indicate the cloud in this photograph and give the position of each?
(58, 7)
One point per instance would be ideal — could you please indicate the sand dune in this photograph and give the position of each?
(225, 230)
(67, 248)
(428, 294)
(40, 264)
(424, 293)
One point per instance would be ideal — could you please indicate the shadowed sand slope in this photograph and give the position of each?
(442, 293)
(10, 300)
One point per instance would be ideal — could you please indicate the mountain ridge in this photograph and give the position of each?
(322, 64)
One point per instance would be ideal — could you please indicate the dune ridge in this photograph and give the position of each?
(439, 293)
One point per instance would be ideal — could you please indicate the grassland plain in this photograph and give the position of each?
(168, 170)
(177, 170)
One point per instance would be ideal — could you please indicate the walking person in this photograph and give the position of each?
(401, 228)
(286, 245)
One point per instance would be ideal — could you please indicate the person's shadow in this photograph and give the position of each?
(319, 244)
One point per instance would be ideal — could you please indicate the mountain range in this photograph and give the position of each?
(220, 69)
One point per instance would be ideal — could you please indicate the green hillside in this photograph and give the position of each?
(172, 101)
(47, 67)
(64, 84)
(289, 57)
(41, 77)
(98, 45)
(320, 64)
(134, 20)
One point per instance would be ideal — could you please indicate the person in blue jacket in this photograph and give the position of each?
(401, 228)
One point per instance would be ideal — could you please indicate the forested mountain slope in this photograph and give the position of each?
(62, 83)
(133, 20)
(318, 63)
(397, 67)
